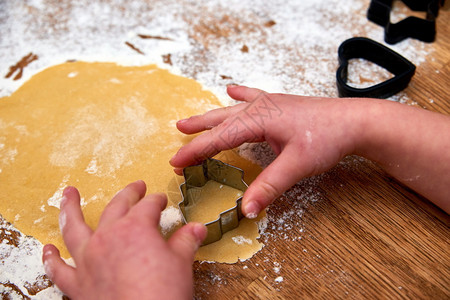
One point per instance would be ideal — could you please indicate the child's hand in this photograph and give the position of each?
(309, 136)
(125, 257)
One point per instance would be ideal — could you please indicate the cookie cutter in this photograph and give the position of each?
(360, 47)
(411, 27)
(196, 177)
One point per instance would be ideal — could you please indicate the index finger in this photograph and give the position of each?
(231, 133)
(121, 203)
(208, 120)
(243, 93)
(74, 230)
(148, 209)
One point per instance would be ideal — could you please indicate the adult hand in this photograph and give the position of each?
(125, 257)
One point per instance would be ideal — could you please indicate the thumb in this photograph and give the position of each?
(273, 181)
(186, 240)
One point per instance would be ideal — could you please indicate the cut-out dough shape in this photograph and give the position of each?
(97, 126)
(207, 202)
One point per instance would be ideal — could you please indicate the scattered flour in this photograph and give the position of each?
(22, 266)
(239, 239)
(170, 217)
(55, 200)
(72, 74)
(295, 51)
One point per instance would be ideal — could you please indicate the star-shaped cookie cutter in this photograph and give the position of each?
(196, 177)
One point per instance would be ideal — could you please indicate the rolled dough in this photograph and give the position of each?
(99, 126)
(207, 202)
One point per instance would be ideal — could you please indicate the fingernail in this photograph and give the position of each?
(47, 251)
(62, 202)
(45, 259)
(173, 157)
(140, 181)
(178, 171)
(66, 190)
(252, 210)
(200, 232)
(182, 121)
(232, 85)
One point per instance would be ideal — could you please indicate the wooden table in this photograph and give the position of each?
(368, 237)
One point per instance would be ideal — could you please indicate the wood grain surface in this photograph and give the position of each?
(360, 235)
(369, 237)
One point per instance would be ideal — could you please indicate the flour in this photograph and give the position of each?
(241, 240)
(294, 51)
(170, 217)
(72, 74)
(92, 168)
(55, 200)
(279, 279)
(22, 266)
(110, 143)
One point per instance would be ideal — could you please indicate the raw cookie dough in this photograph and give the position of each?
(100, 126)
(240, 243)
(207, 202)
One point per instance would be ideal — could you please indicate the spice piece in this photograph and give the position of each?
(25, 61)
(134, 48)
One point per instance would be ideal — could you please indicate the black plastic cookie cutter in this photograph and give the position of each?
(424, 30)
(360, 47)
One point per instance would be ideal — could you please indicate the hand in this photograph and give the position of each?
(309, 135)
(125, 257)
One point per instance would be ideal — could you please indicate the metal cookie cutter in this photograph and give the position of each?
(412, 27)
(360, 47)
(197, 176)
